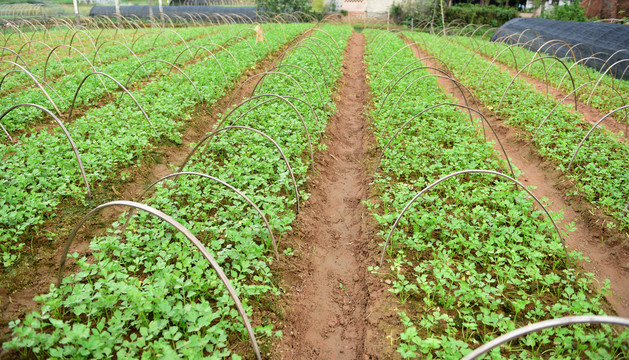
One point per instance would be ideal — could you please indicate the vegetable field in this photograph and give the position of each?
(294, 190)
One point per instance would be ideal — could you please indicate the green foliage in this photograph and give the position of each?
(471, 259)
(568, 12)
(476, 14)
(154, 296)
(274, 7)
(598, 164)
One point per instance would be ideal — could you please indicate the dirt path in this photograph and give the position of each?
(609, 256)
(329, 294)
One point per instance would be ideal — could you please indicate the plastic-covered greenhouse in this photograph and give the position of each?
(603, 46)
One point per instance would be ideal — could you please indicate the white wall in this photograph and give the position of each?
(378, 6)
(373, 7)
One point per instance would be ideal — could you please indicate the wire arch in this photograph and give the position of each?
(247, 128)
(65, 132)
(174, 223)
(491, 172)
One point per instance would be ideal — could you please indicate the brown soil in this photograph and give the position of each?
(606, 249)
(34, 277)
(327, 289)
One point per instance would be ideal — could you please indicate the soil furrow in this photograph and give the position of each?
(609, 259)
(328, 290)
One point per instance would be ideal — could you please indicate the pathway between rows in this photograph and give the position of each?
(329, 294)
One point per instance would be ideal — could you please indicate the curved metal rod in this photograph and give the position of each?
(65, 131)
(480, 27)
(313, 38)
(527, 65)
(603, 75)
(323, 31)
(299, 44)
(119, 85)
(36, 82)
(537, 36)
(447, 71)
(174, 223)
(42, 43)
(281, 58)
(454, 81)
(584, 61)
(70, 48)
(434, 107)
(562, 100)
(465, 27)
(515, 61)
(286, 101)
(263, 74)
(272, 70)
(574, 56)
(477, 52)
(119, 43)
(201, 47)
(392, 56)
(227, 185)
(424, 190)
(76, 31)
(161, 33)
(563, 321)
(314, 114)
(401, 78)
(381, 42)
(38, 78)
(539, 49)
(589, 132)
(17, 55)
(247, 128)
(5, 130)
(247, 42)
(223, 48)
(174, 32)
(172, 66)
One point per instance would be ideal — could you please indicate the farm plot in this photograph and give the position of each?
(41, 172)
(143, 286)
(599, 89)
(556, 132)
(274, 199)
(469, 257)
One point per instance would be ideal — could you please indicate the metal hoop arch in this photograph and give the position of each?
(589, 132)
(527, 65)
(66, 133)
(475, 171)
(119, 85)
(174, 223)
(568, 320)
(215, 133)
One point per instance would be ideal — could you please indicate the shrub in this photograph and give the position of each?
(476, 14)
(570, 12)
(274, 7)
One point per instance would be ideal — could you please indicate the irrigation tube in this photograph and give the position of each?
(568, 320)
(189, 236)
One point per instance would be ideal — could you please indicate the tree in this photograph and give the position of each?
(274, 7)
